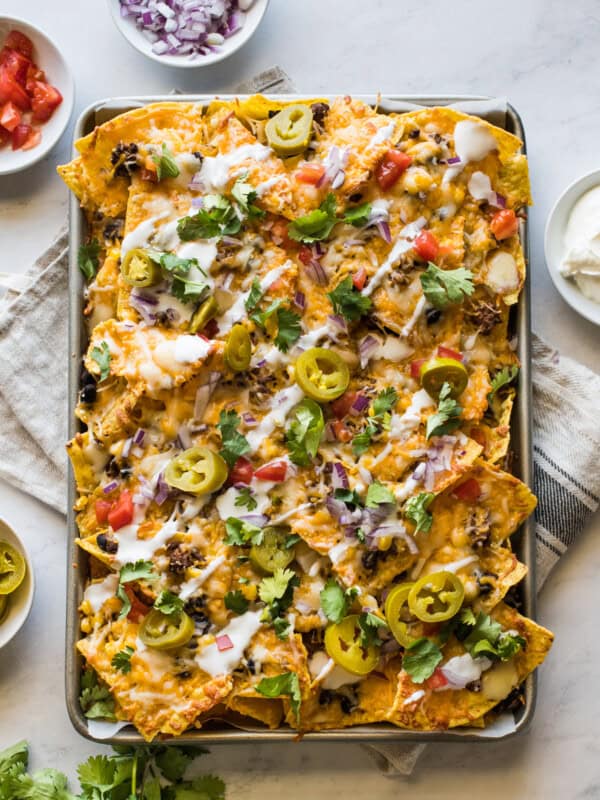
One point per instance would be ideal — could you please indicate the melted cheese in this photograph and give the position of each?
(190, 587)
(215, 171)
(240, 631)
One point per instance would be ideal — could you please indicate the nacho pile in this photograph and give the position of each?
(295, 417)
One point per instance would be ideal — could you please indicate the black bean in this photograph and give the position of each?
(437, 138)
(369, 559)
(347, 705)
(414, 134)
(320, 111)
(106, 543)
(87, 379)
(88, 394)
(198, 155)
(325, 697)
(432, 315)
(355, 198)
(112, 469)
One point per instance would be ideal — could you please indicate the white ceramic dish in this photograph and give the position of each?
(136, 38)
(555, 249)
(20, 601)
(49, 58)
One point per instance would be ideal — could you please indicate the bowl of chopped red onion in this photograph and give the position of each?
(187, 33)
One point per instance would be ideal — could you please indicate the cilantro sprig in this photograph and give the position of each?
(95, 698)
(305, 431)
(444, 287)
(122, 660)
(378, 494)
(317, 224)
(369, 625)
(415, 509)
(502, 378)
(421, 658)
(348, 301)
(139, 571)
(242, 533)
(236, 602)
(88, 258)
(245, 499)
(169, 603)
(447, 417)
(377, 422)
(335, 601)
(286, 684)
(483, 636)
(101, 355)
(166, 166)
(234, 443)
(277, 591)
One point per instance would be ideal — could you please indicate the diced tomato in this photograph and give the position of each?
(359, 278)
(44, 101)
(4, 136)
(436, 681)
(415, 368)
(447, 352)
(18, 41)
(276, 285)
(121, 512)
(340, 431)
(310, 173)
(211, 329)
(102, 508)
(34, 73)
(20, 135)
(426, 246)
(504, 224)
(242, 471)
(478, 435)
(224, 643)
(149, 175)
(469, 491)
(10, 116)
(34, 138)
(138, 609)
(391, 167)
(279, 233)
(15, 64)
(305, 254)
(13, 92)
(275, 471)
(343, 404)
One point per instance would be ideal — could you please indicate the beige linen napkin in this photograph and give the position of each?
(33, 405)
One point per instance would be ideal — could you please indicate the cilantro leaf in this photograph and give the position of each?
(348, 496)
(288, 329)
(141, 570)
(358, 215)
(335, 601)
(282, 628)
(277, 591)
(420, 659)
(234, 443)
(175, 265)
(348, 301)
(101, 355)
(242, 533)
(169, 603)
(245, 499)
(285, 684)
(122, 660)
(305, 431)
(443, 287)
(485, 637)
(236, 602)
(369, 624)
(88, 258)
(188, 291)
(316, 225)
(415, 509)
(216, 218)
(447, 417)
(166, 166)
(244, 195)
(254, 296)
(95, 699)
(385, 401)
(206, 787)
(261, 317)
(502, 378)
(380, 420)
(378, 494)
(173, 761)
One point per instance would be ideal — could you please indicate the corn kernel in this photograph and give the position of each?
(384, 542)
(249, 591)
(417, 179)
(471, 589)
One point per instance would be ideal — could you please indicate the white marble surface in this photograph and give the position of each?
(544, 56)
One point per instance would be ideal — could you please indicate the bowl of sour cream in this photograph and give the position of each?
(572, 245)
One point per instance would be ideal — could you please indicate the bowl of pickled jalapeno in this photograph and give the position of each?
(16, 584)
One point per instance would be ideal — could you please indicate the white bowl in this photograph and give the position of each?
(19, 602)
(136, 38)
(555, 249)
(49, 58)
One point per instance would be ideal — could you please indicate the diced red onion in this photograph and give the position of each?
(260, 520)
(336, 508)
(162, 490)
(249, 420)
(334, 165)
(360, 404)
(389, 647)
(367, 348)
(139, 436)
(146, 489)
(500, 200)
(204, 393)
(396, 532)
(126, 448)
(339, 323)
(300, 300)
(329, 433)
(223, 643)
(339, 476)
(316, 273)
(110, 487)
(384, 231)
(453, 160)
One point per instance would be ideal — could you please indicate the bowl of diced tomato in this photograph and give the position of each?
(36, 95)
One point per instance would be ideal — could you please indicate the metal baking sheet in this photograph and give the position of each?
(523, 541)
